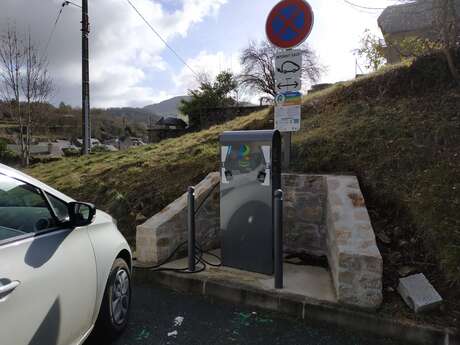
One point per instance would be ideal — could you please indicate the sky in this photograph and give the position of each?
(130, 66)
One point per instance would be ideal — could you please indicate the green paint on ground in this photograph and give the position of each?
(144, 334)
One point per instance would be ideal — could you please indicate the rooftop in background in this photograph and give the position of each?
(172, 122)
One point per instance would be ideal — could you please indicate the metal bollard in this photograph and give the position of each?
(191, 229)
(278, 240)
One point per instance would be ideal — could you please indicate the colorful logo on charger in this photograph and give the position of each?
(244, 156)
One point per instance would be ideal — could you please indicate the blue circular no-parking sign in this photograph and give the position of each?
(289, 23)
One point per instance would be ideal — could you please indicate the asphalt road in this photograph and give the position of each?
(155, 311)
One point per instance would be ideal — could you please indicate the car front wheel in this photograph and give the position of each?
(113, 316)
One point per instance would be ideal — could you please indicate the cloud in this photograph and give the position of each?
(123, 50)
(207, 63)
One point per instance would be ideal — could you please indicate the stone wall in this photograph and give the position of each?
(159, 236)
(304, 220)
(354, 259)
(304, 210)
(323, 215)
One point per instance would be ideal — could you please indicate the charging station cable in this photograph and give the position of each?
(198, 260)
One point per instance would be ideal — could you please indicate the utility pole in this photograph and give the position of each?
(86, 123)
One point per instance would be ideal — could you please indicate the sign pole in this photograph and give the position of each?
(286, 150)
(287, 137)
(289, 24)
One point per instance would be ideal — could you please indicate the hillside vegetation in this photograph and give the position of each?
(134, 184)
(397, 130)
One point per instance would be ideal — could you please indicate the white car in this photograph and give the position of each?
(64, 267)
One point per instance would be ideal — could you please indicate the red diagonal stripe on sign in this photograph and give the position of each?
(289, 22)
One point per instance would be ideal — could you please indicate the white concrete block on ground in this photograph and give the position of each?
(418, 293)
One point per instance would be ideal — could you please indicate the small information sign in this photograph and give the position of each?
(287, 118)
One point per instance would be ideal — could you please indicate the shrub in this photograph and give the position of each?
(71, 152)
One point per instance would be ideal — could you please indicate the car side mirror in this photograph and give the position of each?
(81, 213)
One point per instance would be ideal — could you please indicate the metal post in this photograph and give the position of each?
(286, 151)
(191, 228)
(86, 124)
(278, 241)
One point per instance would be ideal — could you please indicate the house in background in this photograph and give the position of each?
(169, 127)
(171, 123)
(411, 20)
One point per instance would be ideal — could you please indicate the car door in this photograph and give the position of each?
(47, 271)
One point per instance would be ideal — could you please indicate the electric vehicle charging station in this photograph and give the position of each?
(250, 175)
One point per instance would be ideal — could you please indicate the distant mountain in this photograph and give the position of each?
(168, 108)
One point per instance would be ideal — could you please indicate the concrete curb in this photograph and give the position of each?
(311, 311)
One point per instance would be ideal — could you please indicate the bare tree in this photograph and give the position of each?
(36, 87)
(25, 84)
(11, 62)
(259, 72)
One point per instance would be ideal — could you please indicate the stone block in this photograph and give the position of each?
(418, 293)
(159, 236)
(291, 305)
(289, 180)
(333, 184)
(178, 282)
(261, 300)
(335, 199)
(315, 184)
(355, 262)
(361, 215)
(225, 292)
(311, 213)
(357, 199)
(304, 213)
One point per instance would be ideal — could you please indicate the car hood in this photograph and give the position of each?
(102, 217)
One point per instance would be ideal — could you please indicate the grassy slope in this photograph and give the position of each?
(135, 184)
(398, 131)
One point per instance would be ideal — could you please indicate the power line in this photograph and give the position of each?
(71, 3)
(53, 30)
(363, 7)
(161, 38)
(370, 12)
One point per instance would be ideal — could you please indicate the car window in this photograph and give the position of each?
(60, 208)
(23, 209)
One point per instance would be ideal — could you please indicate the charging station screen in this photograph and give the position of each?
(243, 158)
